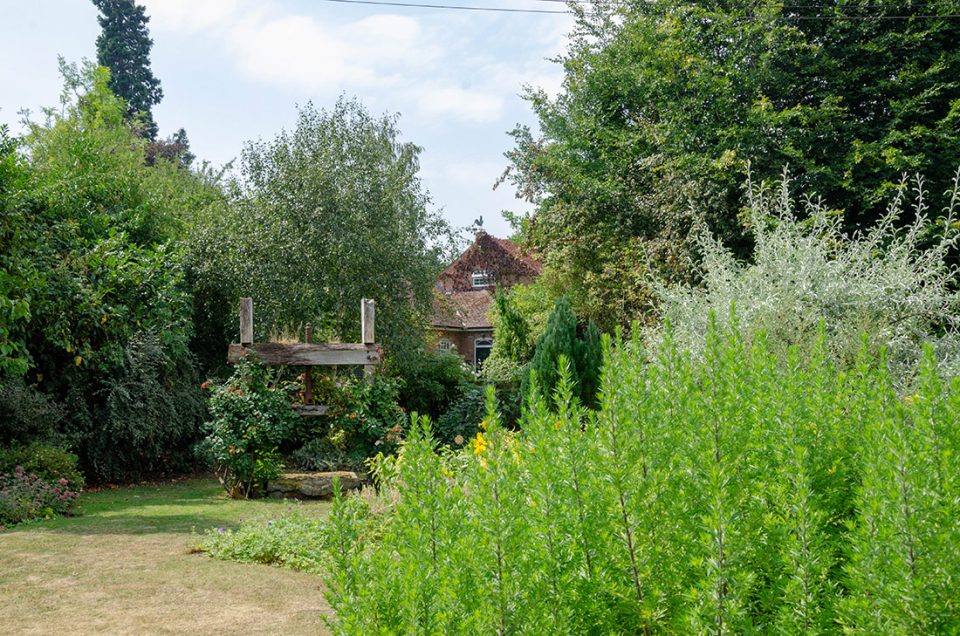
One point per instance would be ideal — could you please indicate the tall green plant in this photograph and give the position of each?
(737, 492)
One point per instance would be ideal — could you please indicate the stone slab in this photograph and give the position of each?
(312, 485)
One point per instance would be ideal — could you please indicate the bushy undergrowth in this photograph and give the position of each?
(25, 496)
(50, 463)
(739, 491)
(250, 419)
(292, 540)
(363, 418)
(892, 281)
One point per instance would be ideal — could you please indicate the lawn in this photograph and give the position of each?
(125, 567)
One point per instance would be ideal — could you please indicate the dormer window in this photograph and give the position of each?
(482, 278)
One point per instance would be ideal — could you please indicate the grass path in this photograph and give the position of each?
(125, 567)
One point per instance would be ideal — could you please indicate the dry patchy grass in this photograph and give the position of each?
(125, 567)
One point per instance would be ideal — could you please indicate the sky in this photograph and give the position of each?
(236, 70)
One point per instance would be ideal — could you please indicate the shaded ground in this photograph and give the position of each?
(125, 567)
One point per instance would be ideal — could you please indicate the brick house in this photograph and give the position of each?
(465, 291)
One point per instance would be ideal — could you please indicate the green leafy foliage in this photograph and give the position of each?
(560, 341)
(739, 492)
(27, 414)
(461, 421)
(363, 419)
(511, 331)
(664, 103)
(326, 214)
(153, 406)
(88, 247)
(430, 381)
(250, 419)
(292, 540)
(893, 281)
(16, 271)
(49, 463)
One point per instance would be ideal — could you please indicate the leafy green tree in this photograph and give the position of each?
(664, 104)
(328, 213)
(91, 231)
(17, 275)
(589, 362)
(124, 46)
(511, 331)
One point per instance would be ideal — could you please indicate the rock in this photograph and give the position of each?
(311, 485)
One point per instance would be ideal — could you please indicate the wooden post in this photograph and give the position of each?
(308, 372)
(368, 311)
(246, 321)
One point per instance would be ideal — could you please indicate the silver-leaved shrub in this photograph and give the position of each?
(891, 282)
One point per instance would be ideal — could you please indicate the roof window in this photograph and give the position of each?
(482, 278)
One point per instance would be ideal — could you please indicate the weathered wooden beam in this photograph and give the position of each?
(311, 410)
(308, 372)
(368, 314)
(308, 355)
(368, 311)
(246, 321)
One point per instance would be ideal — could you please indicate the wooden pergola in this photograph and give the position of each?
(366, 353)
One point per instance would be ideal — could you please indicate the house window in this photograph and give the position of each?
(482, 278)
(445, 345)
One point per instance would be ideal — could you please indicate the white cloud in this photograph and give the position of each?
(190, 15)
(478, 174)
(295, 52)
(478, 105)
(419, 59)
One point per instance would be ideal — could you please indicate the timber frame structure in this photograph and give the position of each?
(309, 354)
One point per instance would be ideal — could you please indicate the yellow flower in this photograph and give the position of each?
(78, 361)
(483, 424)
(483, 463)
(479, 444)
(103, 319)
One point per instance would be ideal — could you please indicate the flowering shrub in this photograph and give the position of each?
(25, 496)
(250, 419)
(50, 463)
(740, 491)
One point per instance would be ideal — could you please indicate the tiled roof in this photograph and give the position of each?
(526, 258)
(462, 309)
(501, 255)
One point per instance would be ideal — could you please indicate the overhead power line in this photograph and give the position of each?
(418, 5)
(421, 5)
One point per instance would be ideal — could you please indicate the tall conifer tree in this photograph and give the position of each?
(124, 47)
